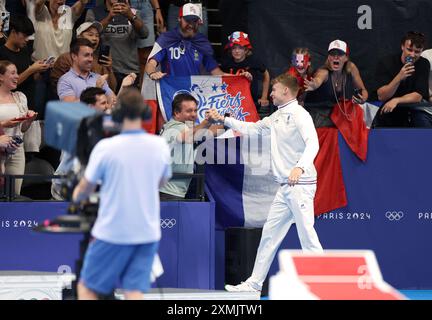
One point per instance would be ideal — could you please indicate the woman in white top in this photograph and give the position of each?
(15, 118)
(54, 27)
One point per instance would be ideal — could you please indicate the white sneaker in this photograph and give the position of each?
(242, 287)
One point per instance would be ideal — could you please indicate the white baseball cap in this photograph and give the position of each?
(338, 45)
(87, 25)
(190, 11)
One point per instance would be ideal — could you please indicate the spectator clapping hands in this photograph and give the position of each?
(101, 80)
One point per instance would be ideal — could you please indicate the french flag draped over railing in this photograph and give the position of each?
(243, 187)
(352, 121)
(240, 178)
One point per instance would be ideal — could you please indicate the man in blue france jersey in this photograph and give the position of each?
(182, 51)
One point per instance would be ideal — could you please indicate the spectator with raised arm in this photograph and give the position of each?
(182, 51)
(338, 81)
(54, 27)
(182, 133)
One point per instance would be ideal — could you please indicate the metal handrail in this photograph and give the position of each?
(329, 104)
(9, 183)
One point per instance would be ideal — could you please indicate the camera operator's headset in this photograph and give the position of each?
(121, 111)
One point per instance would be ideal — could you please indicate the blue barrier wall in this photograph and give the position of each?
(389, 212)
(390, 207)
(187, 248)
(22, 249)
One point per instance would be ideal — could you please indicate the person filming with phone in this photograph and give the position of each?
(102, 61)
(17, 51)
(123, 28)
(403, 78)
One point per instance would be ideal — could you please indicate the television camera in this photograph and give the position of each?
(75, 128)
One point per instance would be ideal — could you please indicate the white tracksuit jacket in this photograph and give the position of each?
(294, 140)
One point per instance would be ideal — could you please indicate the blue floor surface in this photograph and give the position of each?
(417, 294)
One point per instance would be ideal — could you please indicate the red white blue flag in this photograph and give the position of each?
(228, 94)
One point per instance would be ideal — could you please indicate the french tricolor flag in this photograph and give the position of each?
(244, 187)
(243, 192)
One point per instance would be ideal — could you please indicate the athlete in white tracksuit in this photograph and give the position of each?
(294, 145)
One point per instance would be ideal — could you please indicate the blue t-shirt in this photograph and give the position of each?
(184, 59)
(130, 167)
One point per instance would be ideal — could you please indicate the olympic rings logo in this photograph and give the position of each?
(394, 216)
(167, 223)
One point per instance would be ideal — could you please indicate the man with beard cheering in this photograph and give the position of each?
(182, 51)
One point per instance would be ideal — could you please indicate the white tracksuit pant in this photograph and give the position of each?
(292, 204)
